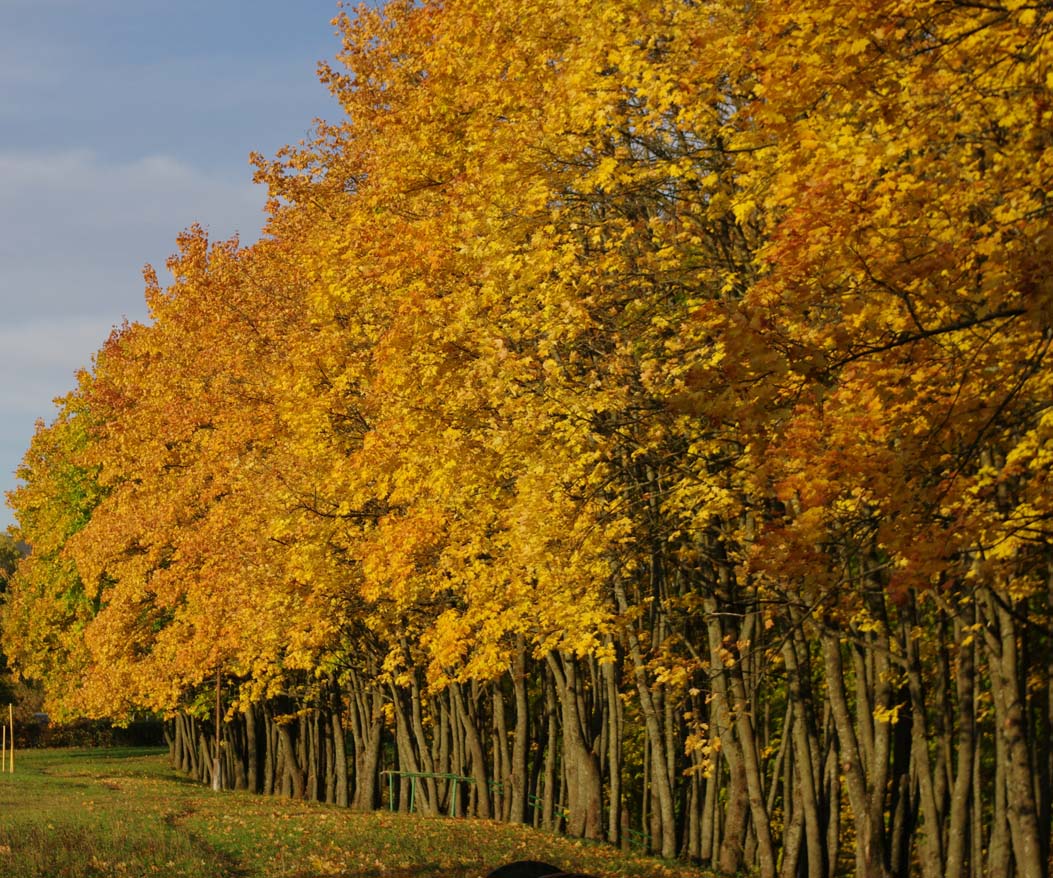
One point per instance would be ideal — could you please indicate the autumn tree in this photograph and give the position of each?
(636, 417)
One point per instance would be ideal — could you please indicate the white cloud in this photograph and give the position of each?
(40, 359)
(75, 231)
(158, 187)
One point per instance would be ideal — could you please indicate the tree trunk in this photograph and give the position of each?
(548, 800)
(660, 775)
(502, 758)
(294, 772)
(339, 746)
(1009, 701)
(804, 757)
(932, 849)
(518, 795)
(869, 856)
(475, 749)
(252, 751)
(958, 827)
(584, 788)
(614, 749)
(754, 781)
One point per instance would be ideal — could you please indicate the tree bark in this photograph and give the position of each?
(518, 796)
(869, 856)
(659, 762)
(339, 746)
(294, 772)
(1009, 701)
(584, 789)
(475, 749)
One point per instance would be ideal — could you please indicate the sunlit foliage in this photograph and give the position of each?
(622, 392)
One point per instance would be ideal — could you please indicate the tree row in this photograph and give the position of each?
(634, 420)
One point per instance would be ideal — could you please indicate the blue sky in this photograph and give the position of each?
(121, 123)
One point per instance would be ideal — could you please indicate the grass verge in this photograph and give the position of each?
(124, 813)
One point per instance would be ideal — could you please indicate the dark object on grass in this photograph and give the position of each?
(532, 869)
(523, 869)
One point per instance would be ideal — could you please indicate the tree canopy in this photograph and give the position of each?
(641, 409)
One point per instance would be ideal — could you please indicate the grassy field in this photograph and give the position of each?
(94, 813)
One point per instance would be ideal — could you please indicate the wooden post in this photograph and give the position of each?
(3, 747)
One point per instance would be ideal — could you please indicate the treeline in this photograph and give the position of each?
(635, 419)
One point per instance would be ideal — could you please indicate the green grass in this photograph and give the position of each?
(124, 813)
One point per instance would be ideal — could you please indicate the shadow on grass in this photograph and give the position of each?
(115, 753)
(427, 870)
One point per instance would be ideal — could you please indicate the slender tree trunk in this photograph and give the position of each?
(217, 759)
(832, 781)
(660, 776)
(999, 854)
(423, 749)
(958, 829)
(548, 801)
(583, 783)
(294, 772)
(312, 747)
(237, 753)
(754, 781)
(367, 762)
(365, 705)
(193, 751)
(475, 749)
(270, 758)
(460, 760)
(1009, 701)
(804, 755)
(932, 828)
(329, 726)
(709, 842)
(502, 758)
(791, 849)
(339, 746)
(869, 859)
(252, 751)
(614, 749)
(518, 797)
(205, 758)
(407, 757)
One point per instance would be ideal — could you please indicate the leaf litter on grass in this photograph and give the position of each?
(117, 814)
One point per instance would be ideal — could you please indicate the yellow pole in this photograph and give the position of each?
(11, 720)
(3, 747)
